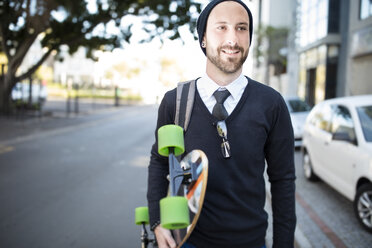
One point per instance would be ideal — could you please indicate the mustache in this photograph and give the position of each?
(227, 47)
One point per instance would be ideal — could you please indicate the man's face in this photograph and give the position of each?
(227, 37)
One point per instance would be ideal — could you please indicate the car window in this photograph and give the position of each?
(297, 105)
(365, 117)
(321, 118)
(342, 121)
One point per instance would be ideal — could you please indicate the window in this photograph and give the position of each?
(365, 117)
(298, 106)
(342, 122)
(365, 9)
(314, 20)
(321, 118)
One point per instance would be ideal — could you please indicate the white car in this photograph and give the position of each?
(337, 147)
(298, 110)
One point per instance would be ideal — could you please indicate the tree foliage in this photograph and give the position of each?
(125, 70)
(76, 23)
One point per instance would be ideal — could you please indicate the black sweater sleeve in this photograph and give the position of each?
(279, 151)
(157, 185)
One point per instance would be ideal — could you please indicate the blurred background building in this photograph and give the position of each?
(359, 56)
(335, 48)
(328, 48)
(274, 46)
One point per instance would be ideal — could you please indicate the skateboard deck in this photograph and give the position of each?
(194, 191)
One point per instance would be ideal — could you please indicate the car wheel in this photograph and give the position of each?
(363, 206)
(308, 168)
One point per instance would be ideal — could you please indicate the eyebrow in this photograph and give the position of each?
(240, 23)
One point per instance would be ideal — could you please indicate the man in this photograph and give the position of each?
(259, 129)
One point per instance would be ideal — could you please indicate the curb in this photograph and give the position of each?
(300, 239)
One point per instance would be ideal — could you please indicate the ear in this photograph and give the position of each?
(204, 42)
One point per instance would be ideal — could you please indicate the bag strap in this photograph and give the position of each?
(184, 103)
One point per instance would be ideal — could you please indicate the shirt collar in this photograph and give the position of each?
(235, 88)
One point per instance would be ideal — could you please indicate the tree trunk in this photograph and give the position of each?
(7, 83)
(2, 98)
(5, 101)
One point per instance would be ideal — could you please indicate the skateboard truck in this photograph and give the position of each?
(180, 173)
(145, 240)
(142, 218)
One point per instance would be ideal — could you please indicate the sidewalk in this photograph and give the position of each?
(300, 239)
(53, 115)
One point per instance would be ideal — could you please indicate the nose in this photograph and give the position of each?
(231, 42)
(231, 38)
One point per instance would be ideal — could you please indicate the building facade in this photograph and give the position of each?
(334, 46)
(279, 17)
(359, 59)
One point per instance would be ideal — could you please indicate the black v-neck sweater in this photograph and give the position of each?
(233, 213)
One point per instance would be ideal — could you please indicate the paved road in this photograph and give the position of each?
(77, 185)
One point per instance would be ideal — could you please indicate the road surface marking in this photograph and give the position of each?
(5, 149)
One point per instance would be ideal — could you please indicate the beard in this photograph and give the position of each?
(232, 65)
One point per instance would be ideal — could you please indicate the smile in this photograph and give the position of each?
(231, 51)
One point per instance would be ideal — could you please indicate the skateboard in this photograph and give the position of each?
(180, 210)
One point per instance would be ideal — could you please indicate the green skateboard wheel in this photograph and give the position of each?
(174, 213)
(170, 136)
(142, 215)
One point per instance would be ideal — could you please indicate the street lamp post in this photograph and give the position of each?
(2, 85)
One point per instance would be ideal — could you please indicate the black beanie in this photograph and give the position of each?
(203, 18)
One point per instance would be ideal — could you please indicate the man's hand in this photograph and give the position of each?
(164, 238)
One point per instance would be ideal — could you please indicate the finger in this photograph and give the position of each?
(161, 237)
(164, 238)
(171, 242)
(162, 242)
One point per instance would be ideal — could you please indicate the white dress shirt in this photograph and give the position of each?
(206, 87)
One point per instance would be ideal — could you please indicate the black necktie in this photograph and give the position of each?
(219, 110)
